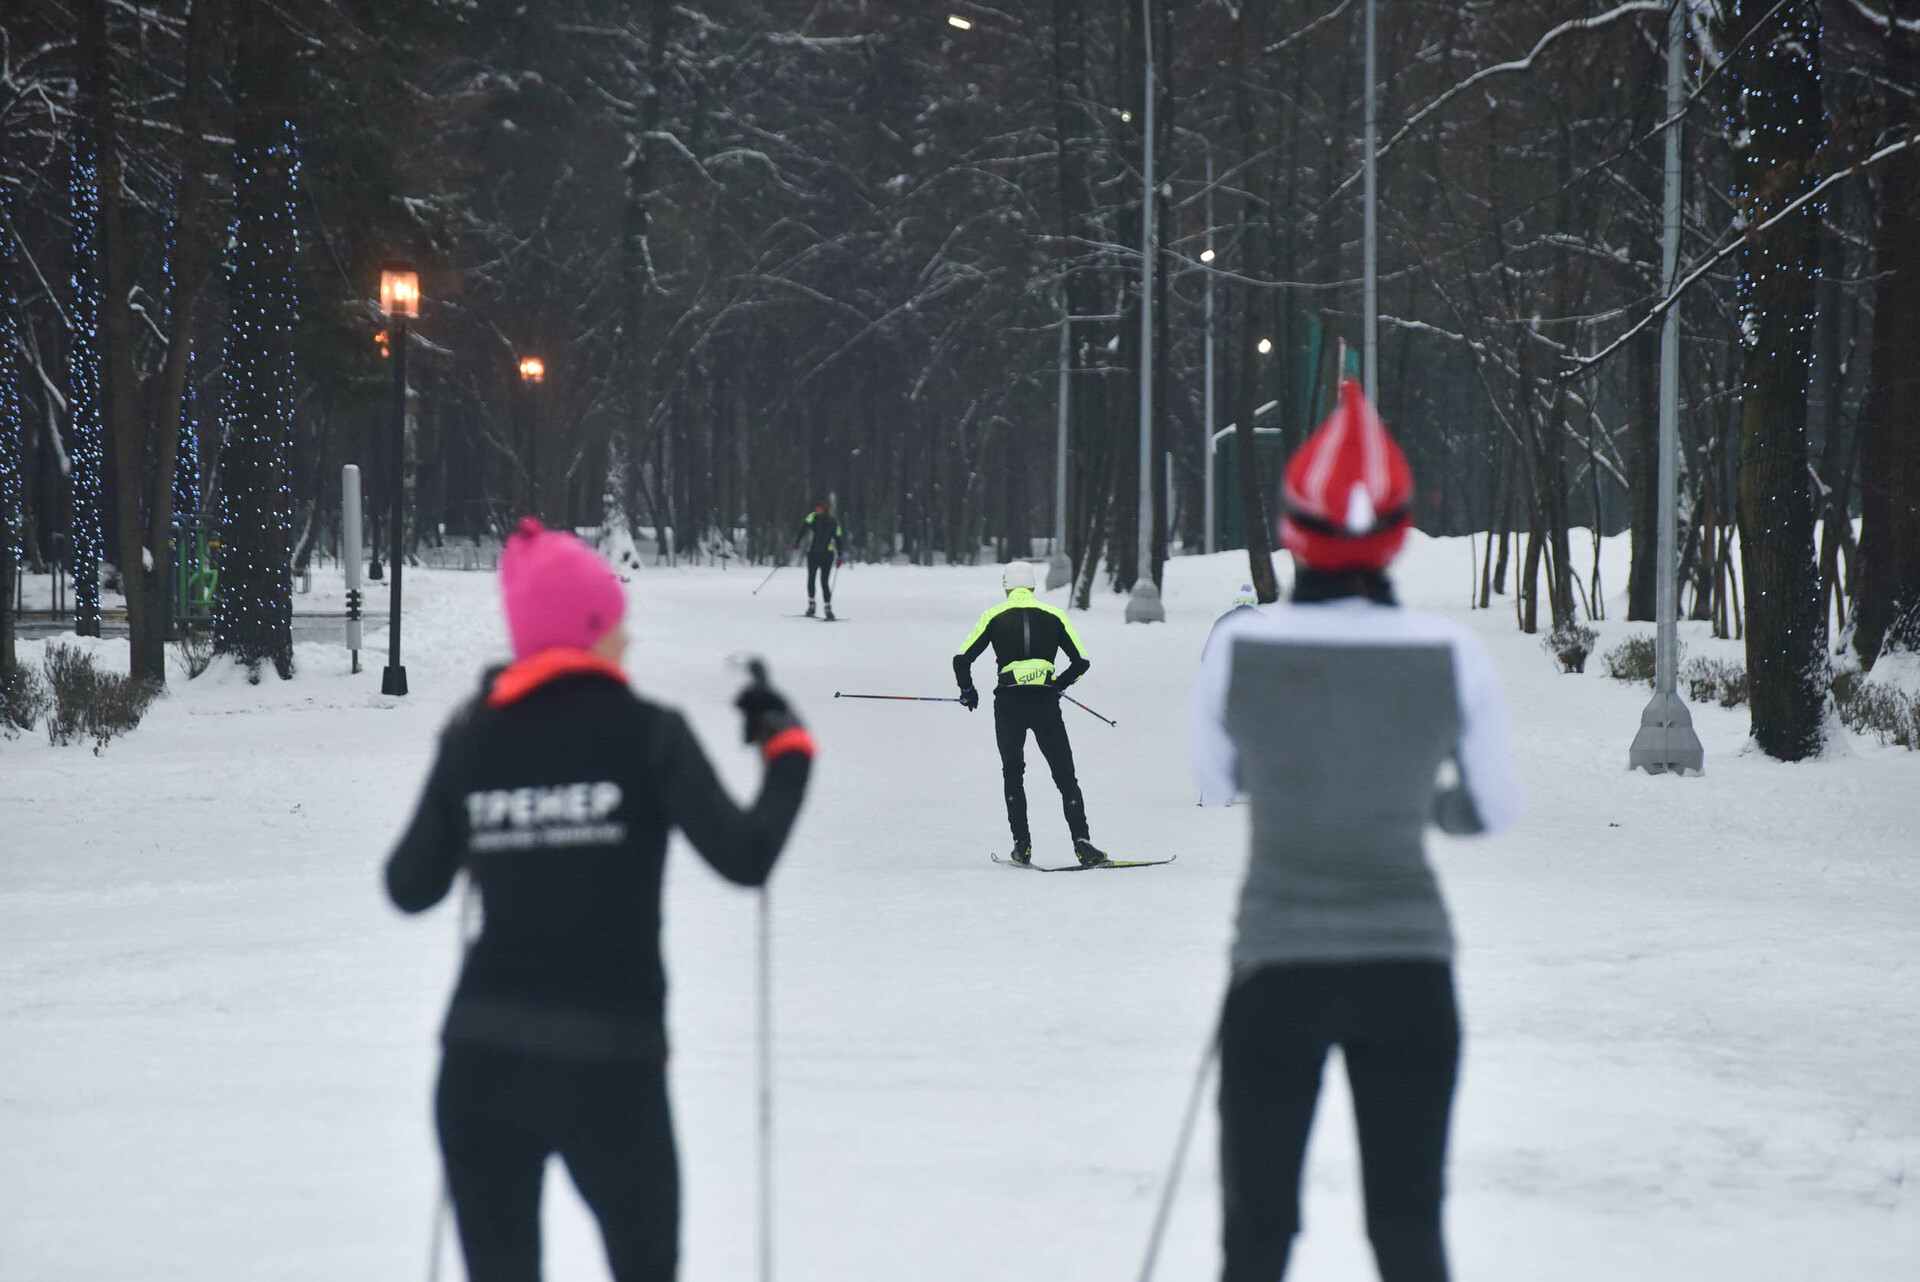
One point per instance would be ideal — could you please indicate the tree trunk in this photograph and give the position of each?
(189, 276)
(1256, 531)
(1254, 527)
(86, 442)
(1786, 652)
(637, 262)
(255, 623)
(1527, 587)
(1887, 612)
(1825, 421)
(1508, 482)
(1078, 289)
(117, 380)
(1643, 472)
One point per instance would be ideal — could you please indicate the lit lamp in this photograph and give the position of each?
(532, 369)
(399, 291)
(400, 303)
(958, 23)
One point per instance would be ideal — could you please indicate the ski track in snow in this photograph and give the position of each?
(1691, 1030)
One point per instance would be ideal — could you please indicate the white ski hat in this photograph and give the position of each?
(1018, 574)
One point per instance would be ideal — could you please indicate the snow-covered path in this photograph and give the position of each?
(1690, 1007)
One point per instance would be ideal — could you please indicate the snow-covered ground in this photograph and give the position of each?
(1690, 1003)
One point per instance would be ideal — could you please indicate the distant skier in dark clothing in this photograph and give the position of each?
(556, 789)
(1025, 635)
(821, 533)
(1335, 714)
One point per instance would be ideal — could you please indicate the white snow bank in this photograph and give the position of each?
(1691, 1029)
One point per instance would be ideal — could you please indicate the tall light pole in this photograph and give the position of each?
(1206, 256)
(1370, 251)
(533, 371)
(400, 300)
(1666, 741)
(1059, 569)
(1144, 605)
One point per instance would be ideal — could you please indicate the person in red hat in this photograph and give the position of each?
(555, 788)
(1336, 715)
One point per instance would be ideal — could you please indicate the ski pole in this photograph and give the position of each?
(904, 698)
(1180, 1151)
(763, 1027)
(766, 1087)
(443, 1205)
(770, 573)
(1084, 708)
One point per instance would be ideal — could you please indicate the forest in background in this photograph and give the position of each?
(770, 252)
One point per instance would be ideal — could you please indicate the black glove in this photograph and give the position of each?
(1056, 686)
(969, 698)
(763, 713)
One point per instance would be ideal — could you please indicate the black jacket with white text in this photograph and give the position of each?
(556, 790)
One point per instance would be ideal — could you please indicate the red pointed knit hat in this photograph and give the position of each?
(1348, 491)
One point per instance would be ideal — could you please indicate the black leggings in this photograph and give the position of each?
(1015, 712)
(824, 570)
(1398, 1030)
(501, 1113)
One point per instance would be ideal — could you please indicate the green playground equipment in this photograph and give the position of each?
(196, 572)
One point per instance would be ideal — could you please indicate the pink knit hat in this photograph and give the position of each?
(557, 591)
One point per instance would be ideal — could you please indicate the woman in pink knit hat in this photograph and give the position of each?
(555, 788)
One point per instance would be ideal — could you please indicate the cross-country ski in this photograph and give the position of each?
(1078, 867)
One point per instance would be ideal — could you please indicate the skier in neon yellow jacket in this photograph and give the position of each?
(1026, 634)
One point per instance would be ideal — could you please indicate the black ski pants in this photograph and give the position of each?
(1399, 1032)
(501, 1113)
(1017, 710)
(823, 569)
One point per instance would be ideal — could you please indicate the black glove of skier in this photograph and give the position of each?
(969, 698)
(763, 712)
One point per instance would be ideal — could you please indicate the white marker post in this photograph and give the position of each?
(350, 551)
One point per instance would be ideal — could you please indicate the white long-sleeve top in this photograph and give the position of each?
(1334, 719)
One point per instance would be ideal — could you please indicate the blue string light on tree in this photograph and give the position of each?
(186, 463)
(254, 617)
(1779, 100)
(11, 478)
(83, 389)
(186, 459)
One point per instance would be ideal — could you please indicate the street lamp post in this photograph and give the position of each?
(1370, 251)
(1666, 740)
(1059, 569)
(1206, 259)
(400, 300)
(1206, 507)
(533, 371)
(1144, 605)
